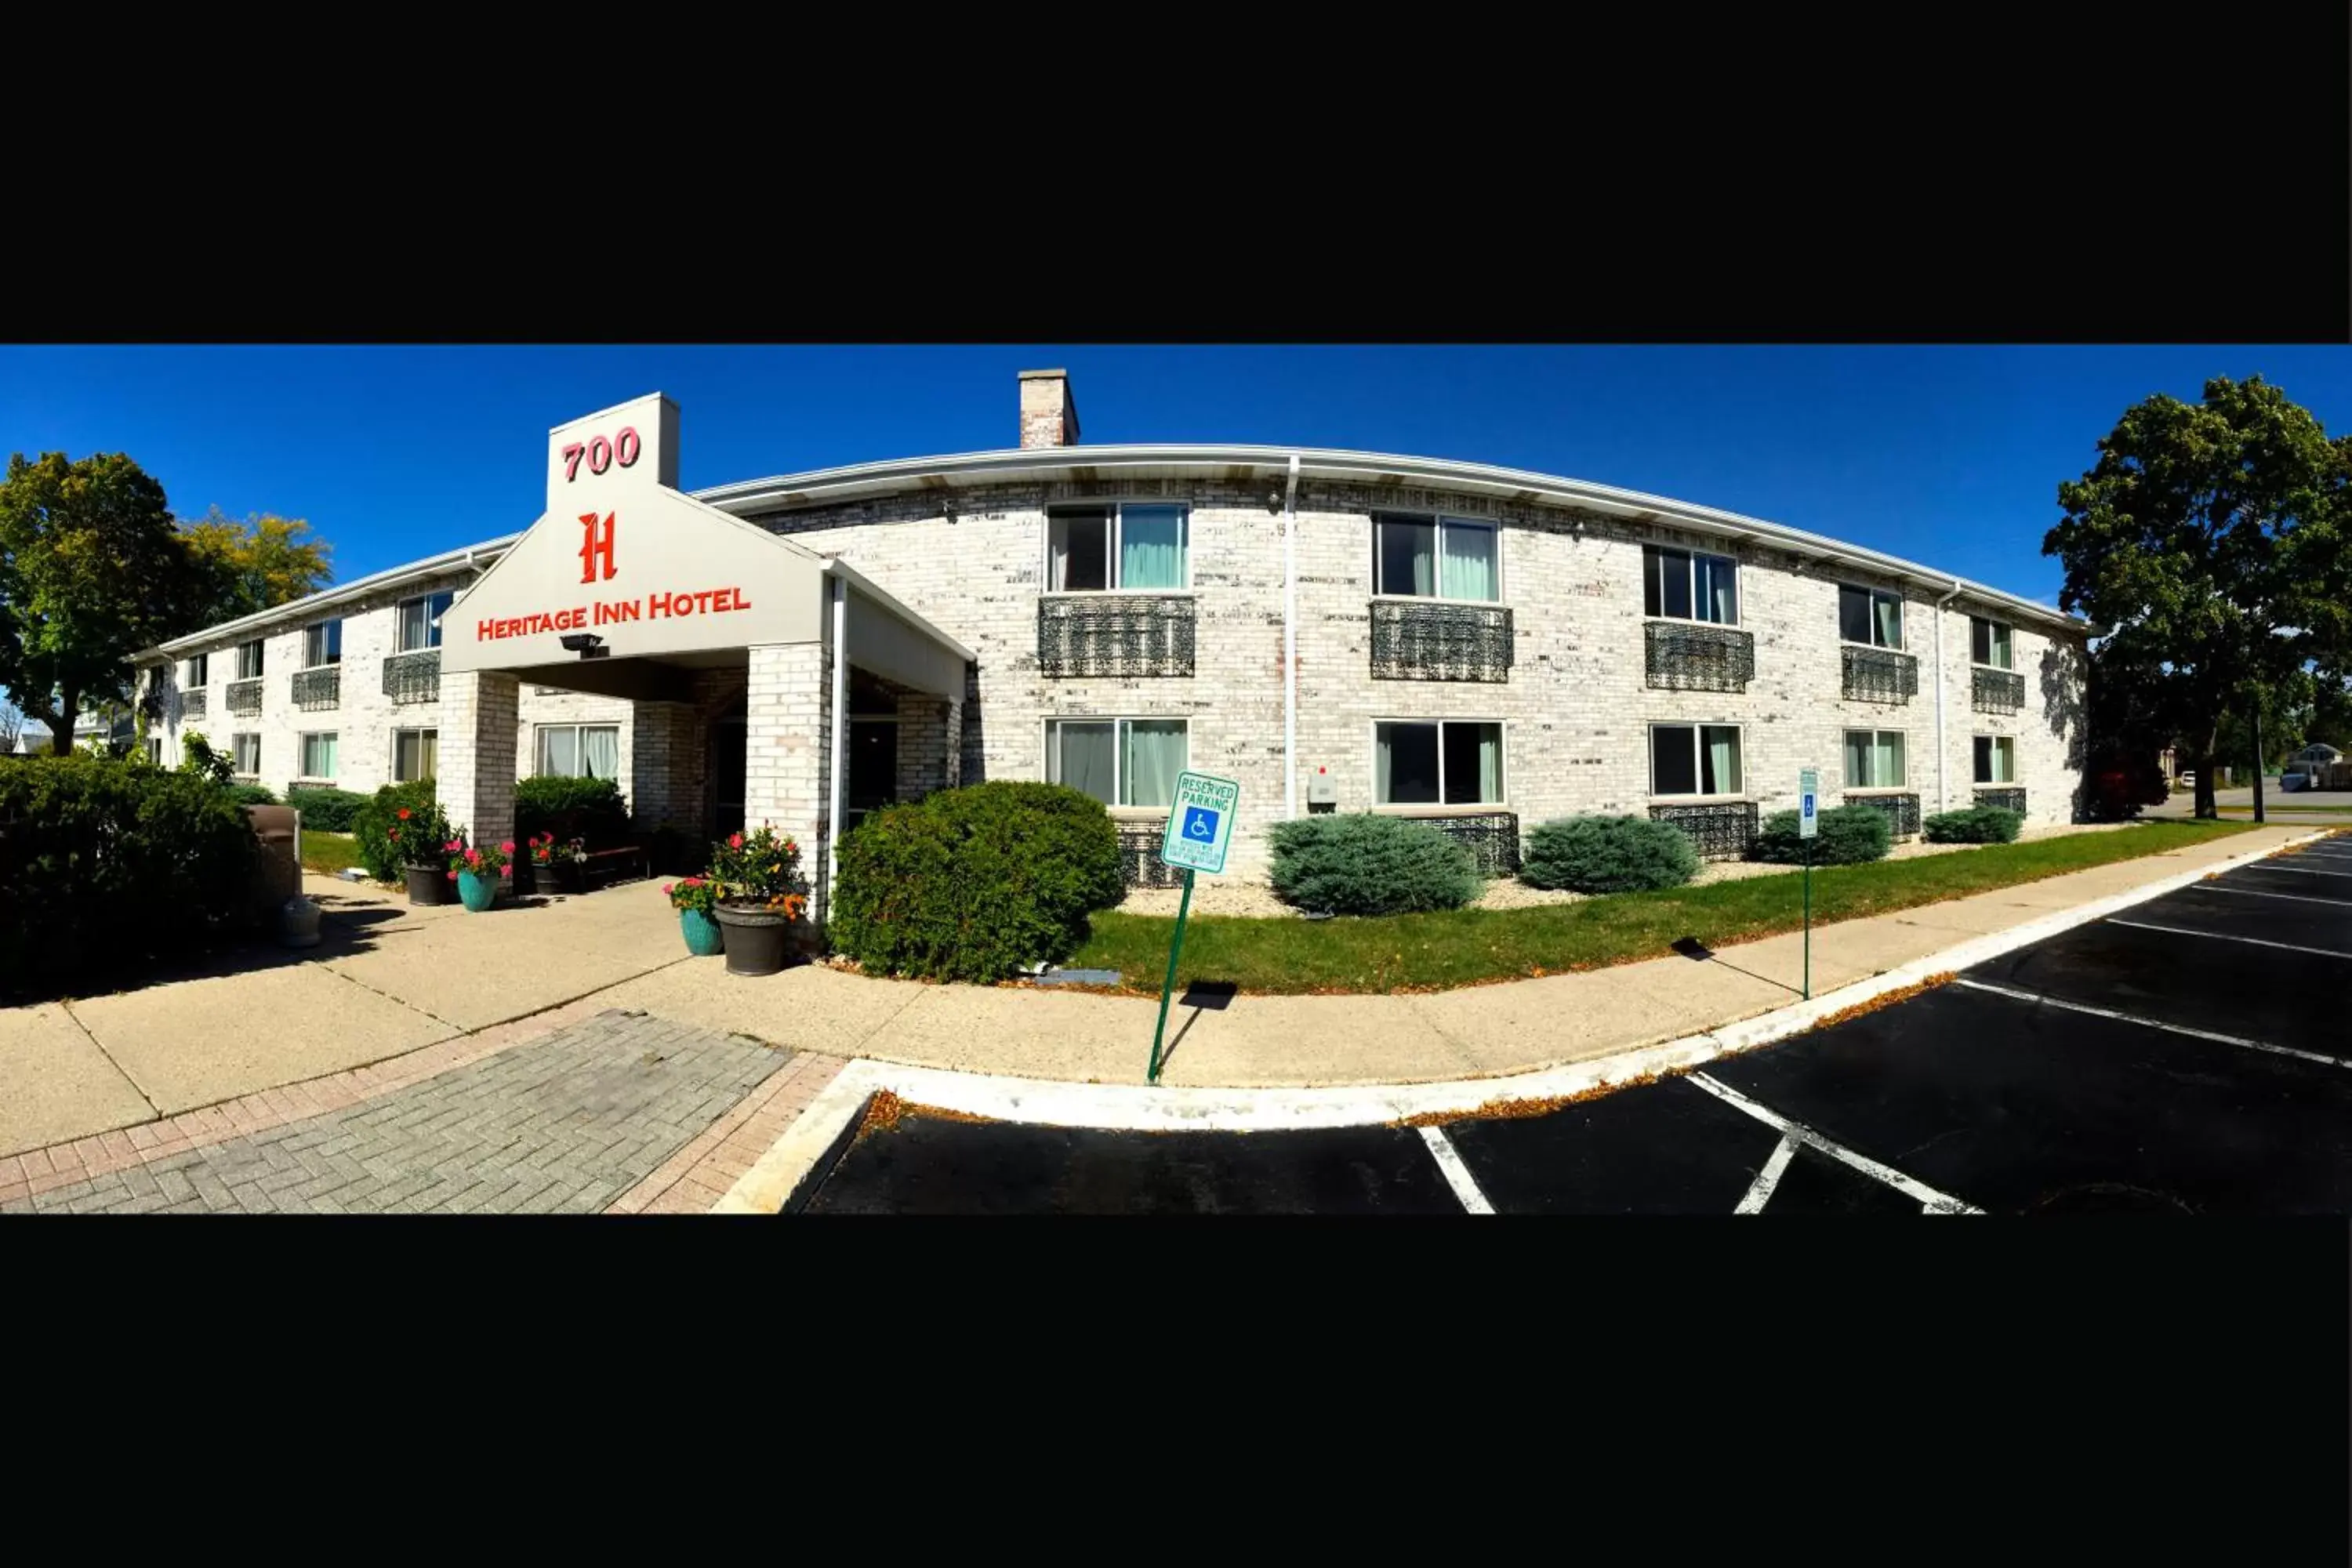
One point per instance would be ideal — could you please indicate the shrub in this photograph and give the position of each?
(571, 808)
(387, 842)
(252, 795)
(1362, 864)
(975, 883)
(1849, 836)
(326, 810)
(1609, 854)
(103, 863)
(1974, 824)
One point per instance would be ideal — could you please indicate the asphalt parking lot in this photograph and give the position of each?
(2191, 1055)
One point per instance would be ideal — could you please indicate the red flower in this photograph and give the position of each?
(404, 814)
(393, 833)
(453, 876)
(507, 847)
(736, 842)
(505, 870)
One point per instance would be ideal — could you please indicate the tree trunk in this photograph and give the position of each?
(61, 729)
(2205, 803)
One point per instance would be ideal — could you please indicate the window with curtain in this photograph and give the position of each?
(1694, 758)
(1437, 557)
(1133, 546)
(1870, 616)
(322, 643)
(1449, 762)
(248, 659)
(246, 751)
(1874, 759)
(1688, 585)
(1119, 762)
(1996, 760)
(580, 750)
(420, 622)
(416, 754)
(319, 754)
(1988, 643)
(198, 667)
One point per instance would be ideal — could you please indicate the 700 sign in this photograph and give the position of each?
(600, 454)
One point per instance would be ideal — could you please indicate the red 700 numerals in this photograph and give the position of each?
(624, 448)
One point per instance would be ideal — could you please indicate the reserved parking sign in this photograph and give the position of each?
(1200, 822)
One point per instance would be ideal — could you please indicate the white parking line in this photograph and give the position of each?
(2035, 996)
(2225, 936)
(2266, 893)
(1457, 1174)
(1930, 1198)
(2298, 870)
(1760, 1192)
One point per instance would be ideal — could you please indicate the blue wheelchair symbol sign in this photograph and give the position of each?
(1809, 805)
(1202, 824)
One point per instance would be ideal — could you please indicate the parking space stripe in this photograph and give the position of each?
(1930, 1198)
(1760, 1192)
(2298, 870)
(2266, 893)
(2225, 936)
(2035, 996)
(1457, 1174)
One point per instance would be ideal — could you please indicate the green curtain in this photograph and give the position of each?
(1467, 568)
(1155, 755)
(1890, 622)
(1718, 590)
(1151, 547)
(1887, 773)
(1380, 771)
(1857, 759)
(2004, 756)
(1722, 762)
(1490, 763)
(1083, 757)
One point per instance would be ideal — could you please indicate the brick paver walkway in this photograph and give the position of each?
(567, 1123)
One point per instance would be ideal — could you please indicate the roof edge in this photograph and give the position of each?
(327, 598)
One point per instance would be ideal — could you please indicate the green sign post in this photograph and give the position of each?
(1809, 795)
(1200, 829)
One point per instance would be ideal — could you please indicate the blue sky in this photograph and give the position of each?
(1950, 456)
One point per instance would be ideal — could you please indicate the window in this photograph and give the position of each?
(1436, 557)
(420, 622)
(248, 660)
(1684, 585)
(415, 753)
(1441, 762)
(1133, 544)
(1988, 643)
(1874, 759)
(319, 754)
(322, 643)
(1694, 759)
(1996, 760)
(155, 750)
(1870, 616)
(580, 750)
(245, 751)
(196, 671)
(1119, 762)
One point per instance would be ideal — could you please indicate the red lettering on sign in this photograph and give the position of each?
(592, 550)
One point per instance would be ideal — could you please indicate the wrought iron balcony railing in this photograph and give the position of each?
(1878, 675)
(244, 696)
(1683, 657)
(1902, 811)
(1115, 634)
(192, 705)
(1491, 836)
(1139, 865)
(1995, 690)
(1722, 830)
(317, 689)
(412, 677)
(2012, 798)
(1441, 642)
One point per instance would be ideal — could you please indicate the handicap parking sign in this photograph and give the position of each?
(1200, 822)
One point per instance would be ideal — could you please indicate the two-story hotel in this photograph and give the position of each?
(1484, 647)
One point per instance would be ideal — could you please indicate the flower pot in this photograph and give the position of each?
(476, 892)
(756, 940)
(428, 885)
(558, 877)
(703, 936)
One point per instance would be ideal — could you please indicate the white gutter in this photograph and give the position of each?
(1290, 642)
(834, 767)
(1943, 791)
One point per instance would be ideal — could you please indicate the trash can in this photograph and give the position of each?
(277, 870)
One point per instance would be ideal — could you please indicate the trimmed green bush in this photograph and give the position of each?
(1849, 836)
(422, 832)
(104, 864)
(1358, 863)
(1974, 824)
(571, 808)
(1609, 854)
(251, 794)
(974, 884)
(326, 810)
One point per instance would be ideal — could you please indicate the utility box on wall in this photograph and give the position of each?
(1322, 792)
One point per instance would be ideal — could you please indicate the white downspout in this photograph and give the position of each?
(1943, 791)
(1290, 642)
(840, 748)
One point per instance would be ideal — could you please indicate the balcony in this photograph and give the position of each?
(1683, 657)
(2015, 799)
(1878, 675)
(1491, 836)
(1995, 690)
(1902, 811)
(1723, 830)
(244, 696)
(413, 677)
(1414, 641)
(317, 689)
(1115, 634)
(1139, 865)
(192, 705)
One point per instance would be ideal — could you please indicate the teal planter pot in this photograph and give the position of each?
(476, 892)
(703, 937)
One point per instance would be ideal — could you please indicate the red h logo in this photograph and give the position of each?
(591, 549)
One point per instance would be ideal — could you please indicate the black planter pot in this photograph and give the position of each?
(758, 942)
(428, 885)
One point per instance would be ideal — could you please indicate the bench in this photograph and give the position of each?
(604, 866)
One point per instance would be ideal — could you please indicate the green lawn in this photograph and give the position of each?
(2285, 803)
(328, 853)
(1463, 947)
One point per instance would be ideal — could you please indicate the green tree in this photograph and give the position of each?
(92, 569)
(257, 564)
(2209, 538)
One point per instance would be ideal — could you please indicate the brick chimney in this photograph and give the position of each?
(1049, 415)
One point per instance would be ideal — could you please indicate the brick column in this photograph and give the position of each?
(666, 765)
(923, 748)
(951, 766)
(476, 771)
(788, 734)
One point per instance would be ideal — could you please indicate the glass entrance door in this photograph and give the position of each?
(728, 739)
(873, 778)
